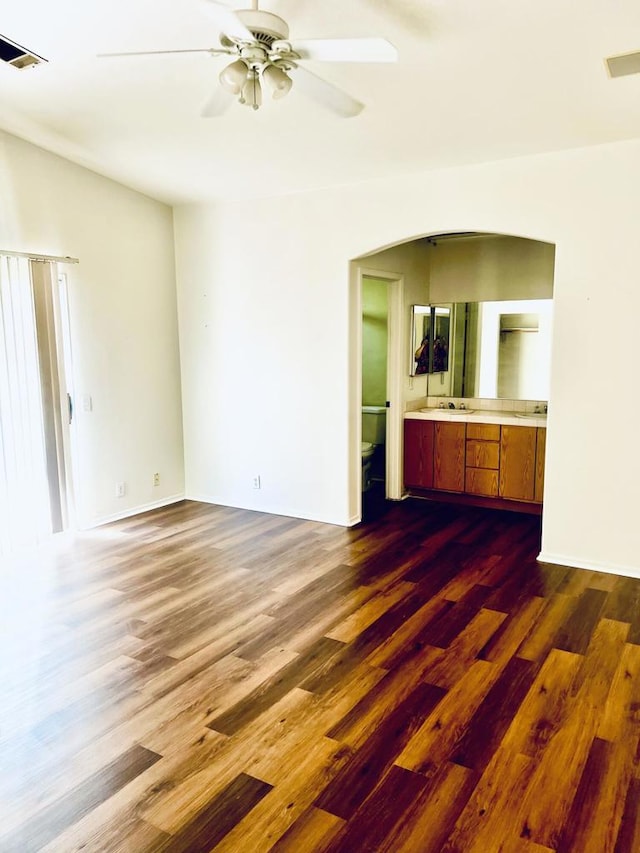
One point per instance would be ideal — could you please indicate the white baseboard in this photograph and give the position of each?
(590, 565)
(136, 510)
(283, 511)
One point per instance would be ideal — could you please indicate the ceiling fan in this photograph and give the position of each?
(259, 44)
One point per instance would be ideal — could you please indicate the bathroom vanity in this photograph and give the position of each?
(492, 357)
(491, 458)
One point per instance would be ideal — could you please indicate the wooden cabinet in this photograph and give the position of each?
(517, 462)
(541, 446)
(448, 456)
(418, 454)
(482, 459)
(499, 462)
(487, 461)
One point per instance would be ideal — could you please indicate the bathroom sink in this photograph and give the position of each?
(530, 414)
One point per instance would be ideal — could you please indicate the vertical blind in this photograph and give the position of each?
(25, 515)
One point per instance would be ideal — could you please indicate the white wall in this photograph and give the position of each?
(264, 371)
(123, 321)
(261, 395)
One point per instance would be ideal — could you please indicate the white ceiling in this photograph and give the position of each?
(476, 81)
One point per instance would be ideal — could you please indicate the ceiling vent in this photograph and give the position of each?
(16, 55)
(627, 63)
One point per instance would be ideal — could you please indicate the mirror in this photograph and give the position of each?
(431, 331)
(493, 350)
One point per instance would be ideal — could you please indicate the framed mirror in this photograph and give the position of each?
(494, 350)
(431, 331)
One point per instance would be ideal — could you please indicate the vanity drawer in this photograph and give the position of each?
(481, 481)
(486, 432)
(483, 454)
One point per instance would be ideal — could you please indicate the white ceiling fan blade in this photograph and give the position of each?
(346, 50)
(217, 103)
(325, 93)
(227, 22)
(212, 50)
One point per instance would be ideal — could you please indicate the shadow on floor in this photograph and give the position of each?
(374, 503)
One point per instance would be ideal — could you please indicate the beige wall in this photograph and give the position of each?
(409, 261)
(480, 269)
(123, 322)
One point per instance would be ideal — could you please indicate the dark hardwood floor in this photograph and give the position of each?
(201, 678)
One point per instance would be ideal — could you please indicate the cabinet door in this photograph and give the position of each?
(481, 481)
(448, 456)
(483, 454)
(484, 432)
(540, 459)
(517, 462)
(418, 454)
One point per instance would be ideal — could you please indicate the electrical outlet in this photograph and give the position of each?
(121, 489)
(156, 479)
(256, 482)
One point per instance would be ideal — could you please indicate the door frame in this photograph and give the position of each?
(68, 399)
(395, 348)
(52, 322)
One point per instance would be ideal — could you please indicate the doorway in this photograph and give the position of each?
(35, 487)
(375, 339)
(377, 413)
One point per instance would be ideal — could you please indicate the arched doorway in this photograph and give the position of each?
(461, 268)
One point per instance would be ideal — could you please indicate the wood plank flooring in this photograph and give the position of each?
(202, 678)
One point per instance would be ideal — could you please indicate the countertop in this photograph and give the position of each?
(478, 416)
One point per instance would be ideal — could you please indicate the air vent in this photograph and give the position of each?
(16, 55)
(627, 63)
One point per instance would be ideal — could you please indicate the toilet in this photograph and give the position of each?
(374, 430)
(368, 450)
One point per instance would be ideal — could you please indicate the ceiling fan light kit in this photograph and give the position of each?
(234, 76)
(258, 42)
(251, 94)
(256, 61)
(278, 79)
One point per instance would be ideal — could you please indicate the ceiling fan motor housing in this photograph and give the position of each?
(265, 27)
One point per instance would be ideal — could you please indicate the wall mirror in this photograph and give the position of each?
(493, 350)
(431, 329)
